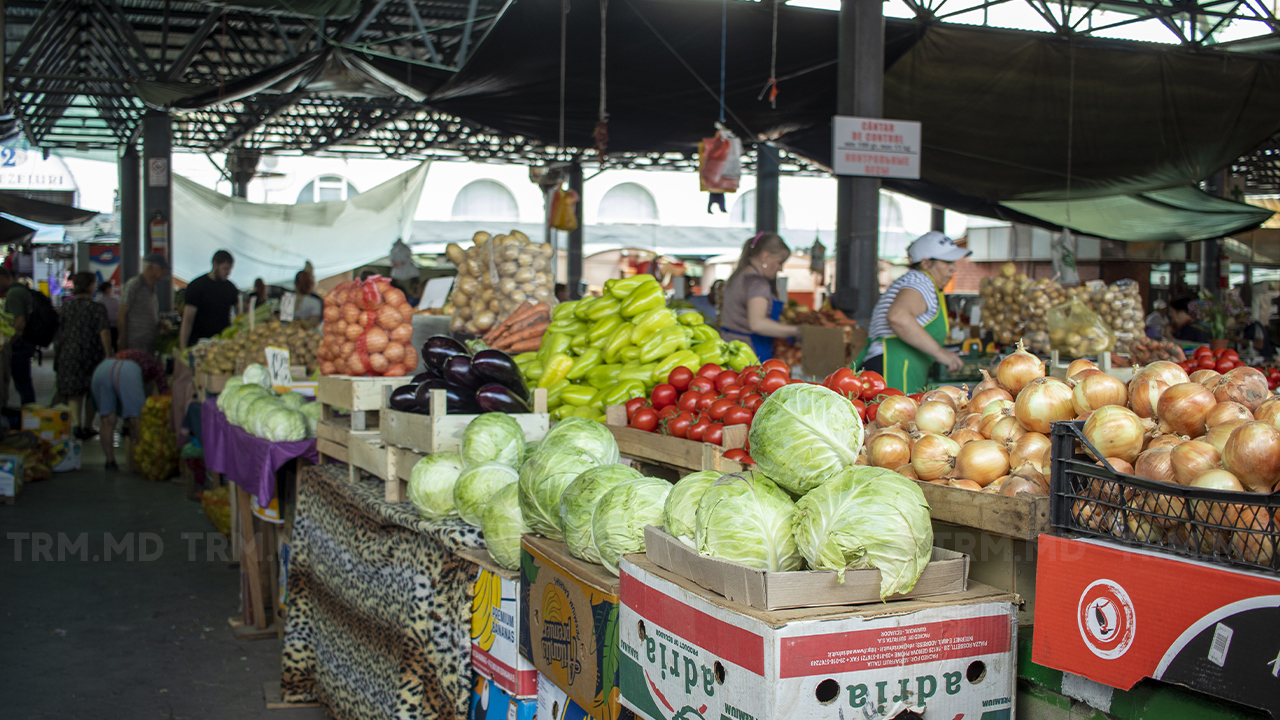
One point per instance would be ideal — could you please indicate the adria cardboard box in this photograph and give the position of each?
(688, 653)
(490, 702)
(496, 618)
(570, 632)
(1117, 615)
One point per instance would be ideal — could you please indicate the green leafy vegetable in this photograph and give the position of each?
(682, 504)
(746, 518)
(579, 501)
(431, 484)
(804, 434)
(617, 525)
(493, 437)
(502, 525)
(476, 487)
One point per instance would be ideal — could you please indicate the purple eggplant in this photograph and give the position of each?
(459, 373)
(438, 350)
(495, 366)
(405, 398)
(495, 397)
(457, 401)
(424, 376)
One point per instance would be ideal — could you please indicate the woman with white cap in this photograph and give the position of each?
(909, 322)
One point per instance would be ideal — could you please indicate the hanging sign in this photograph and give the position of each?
(875, 147)
(278, 367)
(157, 172)
(287, 303)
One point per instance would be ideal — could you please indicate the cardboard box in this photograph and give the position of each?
(554, 704)
(497, 617)
(70, 451)
(10, 475)
(51, 425)
(688, 653)
(570, 633)
(946, 573)
(1117, 615)
(490, 702)
(826, 349)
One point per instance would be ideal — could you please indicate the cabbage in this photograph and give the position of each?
(244, 396)
(617, 525)
(431, 484)
(867, 518)
(476, 487)
(293, 400)
(232, 383)
(748, 519)
(311, 413)
(529, 449)
(682, 504)
(283, 424)
(803, 434)
(252, 413)
(493, 437)
(579, 501)
(582, 434)
(502, 525)
(544, 478)
(257, 375)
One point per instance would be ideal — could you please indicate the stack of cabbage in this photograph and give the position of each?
(249, 403)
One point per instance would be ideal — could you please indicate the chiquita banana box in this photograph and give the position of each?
(495, 633)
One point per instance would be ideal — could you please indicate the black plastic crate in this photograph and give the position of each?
(1218, 526)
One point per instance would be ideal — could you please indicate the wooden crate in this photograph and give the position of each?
(1023, 517)
(997, 560)
(441, 432)
(360, 396)
(400, 462)
(366, 452)
(684, 456)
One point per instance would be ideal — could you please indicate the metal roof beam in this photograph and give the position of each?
(368, 12)
(194, 43)
(466, 32)
(422, 30)
(115, 16)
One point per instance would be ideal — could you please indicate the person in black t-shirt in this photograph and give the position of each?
(209, 302)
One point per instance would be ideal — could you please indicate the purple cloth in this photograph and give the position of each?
(245, 460)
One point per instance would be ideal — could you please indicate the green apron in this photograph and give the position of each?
(906, 367)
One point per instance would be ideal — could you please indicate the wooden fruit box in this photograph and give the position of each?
(359, 396)
(441, 432)
(684, 456)
(400, 462)
(1023, 517)
(366, 452)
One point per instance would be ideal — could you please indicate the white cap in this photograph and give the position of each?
(935, 246)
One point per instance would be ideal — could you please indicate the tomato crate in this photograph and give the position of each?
(1216, 526)
(679, 454)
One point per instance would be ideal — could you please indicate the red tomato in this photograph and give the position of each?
(718, 408)
(733, 392)
(713, 433)
(1189, 365)
(872, 384)
(1226, 364)
(845, 382)
(707, 398)
(680, 378)
(688, 400)
(751, 401)
(633, 405)
(861, 407)
(679, 425)
(737, 415)
(913, 396)
(646, 419)
(702, 384)
(667, 413)
(776, 364)
(710, 370)
(749, 380)
(888, 392)
(772, 381)
(737, 455)
(1206, 362)
(871, 413)
(1218, 353)
(1203, 350)
(698, 428)
(725, 379)
(664, 395)
(1232, 354)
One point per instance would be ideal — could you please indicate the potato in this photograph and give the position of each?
(540, 264)
(454, 252)
(507, 286)
(529, 287)
(507, 269)
(508, 252)
(485, 321)
(495, 305)
(523, 275)
(547, 250)
(480, 237)
(520, 236)
(518, 297)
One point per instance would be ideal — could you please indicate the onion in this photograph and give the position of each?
(1184, 407)
(896, 410)
(1252, 454)
(1192, 459)
(987, 383)
(1143, 530)
(907, 471)
(351, 312)
(1032, 472)
(1018, 370)
(1224, 411)
(989, 422)
(1144, 395)
(981, 401)
(1017, 484)
(1118, 465)
(969, 422)
(982, 461)
(862, 460)
(895, 430)
(1028, 448)
(1095, 391)
(1253, 547)
(997, 407)
(1245, 385)
(375, 340)
(933, 456)
(959, 396)
(888, 450)
(1169, 373)
(994, 487)
(1155, 464)
(404, 334)
(938, 396)
(935, 416)
(1269, 412)
(1115, 431)
(1096, 516)
(394, 352)
(1007, 430)
(1218, 434)
(964, 436)
(964, 484)
(1207, 378)
(1208, 511)
(378, 363)
(1080, 364)
(1043, 402)
(1165, 440)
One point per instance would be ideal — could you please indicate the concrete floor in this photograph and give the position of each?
(81, 637)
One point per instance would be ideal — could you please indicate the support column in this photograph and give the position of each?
(860, 78)
(766, 188)
(242, 165)
(575, 238)
(938, 220)
(130, 212)
(157, 195)
(1210, 266)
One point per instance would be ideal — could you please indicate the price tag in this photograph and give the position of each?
(278, 366)
(286, 307)
(253, 304)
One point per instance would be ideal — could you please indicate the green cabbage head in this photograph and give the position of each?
(617, 525)
(682, 504)
(582, 434)
(493, 437)
(257, 374)
(239, 398)
(283, 424)
(253, 414)
(804, 434)
(746, 518)
(867, 518)
(573, 446)
(293, 400)
(477, 485)
(502, 525)
(431, 484)
(579, 501)
(311, 413)
(232, 383)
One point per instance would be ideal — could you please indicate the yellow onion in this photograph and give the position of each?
(896, 410)
(997, 407)
(1184, 407)
(1080, 364)
(994, 487)
(935, 416)
(1007, 430)
(1095, 391)
(1254, 547)
(1208, 511)
(933, 456)
(1218, 434)
(888, 450)
(1028, 448)
(987, 383)
(1269, 412)
(895, 430)
(1252, 454)
(982, 400)
(964, 484)
(964, 436)
(1207, 378)
(969, 422)
(1119, 465)
(1042, 402)
(906, 471)
(1096, 516)
(1155, 464)
(1192, 459)
(959, 396)
(862, 460)
(1018, 370)
(1245, 385)
(1170, 373)
(1224, 411)
(1087, 372)
(1031, 471)
(1144, 395)
(1115, 431)
(1143, 530)
(938, 396)
(1017, 484)
(982, 461)
(1159, 439)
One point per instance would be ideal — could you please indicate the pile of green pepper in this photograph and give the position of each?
(602, 351)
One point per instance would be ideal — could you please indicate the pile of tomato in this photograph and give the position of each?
(1206, 358)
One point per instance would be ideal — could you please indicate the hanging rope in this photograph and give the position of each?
(601, 132)
(564, 24)
(773, 61)
(724, 42)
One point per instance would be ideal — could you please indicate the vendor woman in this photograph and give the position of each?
(750, 308)
(909, 322)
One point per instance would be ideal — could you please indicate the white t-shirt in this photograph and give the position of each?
(919, 281)
(402, 267)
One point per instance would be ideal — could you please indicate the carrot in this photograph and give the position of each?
(532, 331)
(525, 345)
(527, 319)
(515, 317)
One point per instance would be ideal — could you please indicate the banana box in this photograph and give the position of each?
(48, 423)
(66, 455)
(490, 702)
(10, 475)
(496, 618)
(554, 703)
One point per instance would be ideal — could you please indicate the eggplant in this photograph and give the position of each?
(459, 373)
(405, 398)
(498, 367)
(495, 397)
(424, 376)
(457, 401)
(437, 351)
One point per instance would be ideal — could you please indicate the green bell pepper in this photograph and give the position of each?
(587, 360)
(554, 394)
(533, 371)
(692, 319)
(553, 344)
(590, 413)
(619, 394)
(741, 355)
(568, 327)
(564, 311)
(650, 323)
(603, 307)
(621, 288)
(704, 333)
(620, 339)
(685, 358)
(643, 299)
(578, 344)
(715, 351)
(663, 343)
(630, 354)
(562, 412)
(602, 329)
(525, 358)
(637, 372)
(603, 376)
(577, 395)
(583, 306)
(557, 370)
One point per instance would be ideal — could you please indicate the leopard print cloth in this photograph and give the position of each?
(379, 614)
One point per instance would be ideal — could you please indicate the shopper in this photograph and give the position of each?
(119, 388)
(403, 269)
(18, 303)
(750, 308)
(107, 296)
(309, 305)
(139, 314)
(210, 299)
(83, 340)
(1183, 326)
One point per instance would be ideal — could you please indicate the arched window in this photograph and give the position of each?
(485, 200)
(628, 203)
(327, 188)
(744, 211)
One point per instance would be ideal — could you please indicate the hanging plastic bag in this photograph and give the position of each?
(720, 162)
(1076, 331)
(564, 215)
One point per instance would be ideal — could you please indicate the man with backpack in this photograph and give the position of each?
(32, 321)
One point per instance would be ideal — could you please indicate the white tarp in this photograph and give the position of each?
(273, 242)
